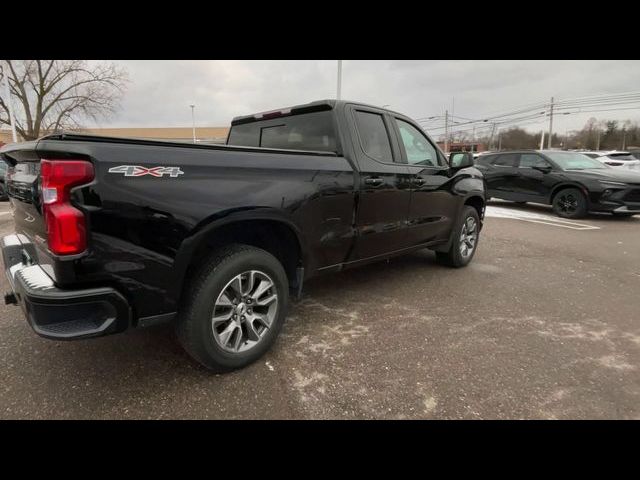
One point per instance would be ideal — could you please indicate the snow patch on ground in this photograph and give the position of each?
(503, 212)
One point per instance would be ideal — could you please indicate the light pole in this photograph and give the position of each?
(339, 92)
(446, 132)
(549, 140)
(193, 120)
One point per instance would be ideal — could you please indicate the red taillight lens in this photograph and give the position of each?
(66, 225)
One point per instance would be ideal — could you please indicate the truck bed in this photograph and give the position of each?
(140, 227)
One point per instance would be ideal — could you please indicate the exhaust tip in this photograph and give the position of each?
(10, 298)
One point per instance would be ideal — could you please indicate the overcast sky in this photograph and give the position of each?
(160, 92)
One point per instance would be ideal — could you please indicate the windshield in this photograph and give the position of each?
(574, 161)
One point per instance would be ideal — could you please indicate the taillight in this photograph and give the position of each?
(66, 225)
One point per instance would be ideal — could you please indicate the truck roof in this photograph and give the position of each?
(315, 106)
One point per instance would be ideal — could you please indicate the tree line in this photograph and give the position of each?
(595, 135)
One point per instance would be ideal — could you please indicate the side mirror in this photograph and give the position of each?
(459, 160)
(543, 168)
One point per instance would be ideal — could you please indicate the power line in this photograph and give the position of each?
(526, 111)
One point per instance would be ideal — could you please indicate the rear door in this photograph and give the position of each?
(533, 184)
(500, 173)
(385, 185)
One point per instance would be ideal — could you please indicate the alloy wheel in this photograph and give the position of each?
(567, 203)
(244, 311)
(468, 237)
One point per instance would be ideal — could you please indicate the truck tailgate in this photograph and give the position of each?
(23, 188)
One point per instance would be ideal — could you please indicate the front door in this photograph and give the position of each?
(432, 210)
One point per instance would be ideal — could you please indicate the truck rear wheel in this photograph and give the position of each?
(465, 240)
(234, 308)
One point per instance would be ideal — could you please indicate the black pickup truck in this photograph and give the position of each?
(115, 233)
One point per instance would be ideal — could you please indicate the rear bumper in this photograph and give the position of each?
(59, 313)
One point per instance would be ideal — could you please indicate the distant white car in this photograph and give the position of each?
(619, 159)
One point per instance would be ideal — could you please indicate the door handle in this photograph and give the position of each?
(418, 180)
(374, 181)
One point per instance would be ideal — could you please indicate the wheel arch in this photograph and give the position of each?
(565, 185)
(268, 230)
(477, 202)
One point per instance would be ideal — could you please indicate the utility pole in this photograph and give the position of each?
(493, 131)
(542, 141)
(453, 108)
(624, 139)
(339, 93)
(473, 139)
(598, 139)
(8, 92)
(446, 131)
(550, 124)
(193, 120)
(499, 139)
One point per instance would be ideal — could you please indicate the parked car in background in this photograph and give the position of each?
(590, 154)
(571, 182)
(635, 153)
(619, 159)
(3, 189)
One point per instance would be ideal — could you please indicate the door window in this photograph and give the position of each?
(418, 149)
(373, 136)
(507, 160)
(530, 160)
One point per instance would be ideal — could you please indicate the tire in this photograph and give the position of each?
(570, 203)
(455, 257)
(210, 292)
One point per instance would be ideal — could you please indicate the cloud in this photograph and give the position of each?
(161, 91)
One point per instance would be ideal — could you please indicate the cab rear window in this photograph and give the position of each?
(307, 131)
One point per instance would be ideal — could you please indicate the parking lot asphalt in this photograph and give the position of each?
(544, 323)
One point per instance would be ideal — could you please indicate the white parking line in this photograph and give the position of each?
(501, 212)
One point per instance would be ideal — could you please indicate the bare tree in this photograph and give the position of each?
(50, 95)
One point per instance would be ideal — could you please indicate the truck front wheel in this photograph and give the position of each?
(234, 308)
(464, 241)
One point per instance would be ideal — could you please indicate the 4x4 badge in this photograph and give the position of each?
(138, 171)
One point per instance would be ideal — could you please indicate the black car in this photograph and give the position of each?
(3, 189)
(571, 182)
